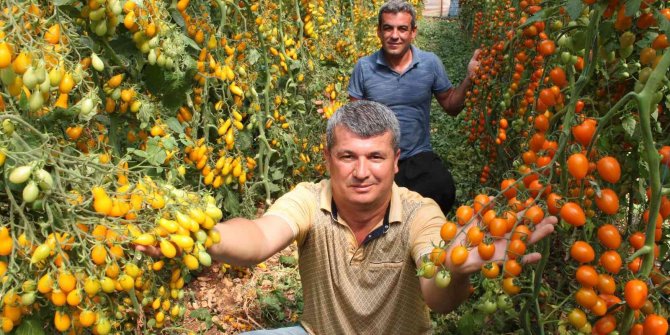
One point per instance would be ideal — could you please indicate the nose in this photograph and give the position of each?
(361, 170)
(395, 33)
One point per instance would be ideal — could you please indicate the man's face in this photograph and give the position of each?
(396, 33)
(362, 169)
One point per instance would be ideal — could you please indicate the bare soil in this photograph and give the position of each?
(230, 296)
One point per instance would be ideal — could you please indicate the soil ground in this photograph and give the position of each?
(229, 300)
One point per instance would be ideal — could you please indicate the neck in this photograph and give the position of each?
(362, 219)
(400, 62)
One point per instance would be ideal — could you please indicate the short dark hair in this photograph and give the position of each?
(397, 6)
(366, 119)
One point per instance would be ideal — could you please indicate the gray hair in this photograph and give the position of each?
(397, 6)
(366, 119)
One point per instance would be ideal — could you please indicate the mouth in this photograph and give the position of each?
(362, 188)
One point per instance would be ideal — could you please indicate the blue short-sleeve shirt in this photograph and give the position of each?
(408, 94)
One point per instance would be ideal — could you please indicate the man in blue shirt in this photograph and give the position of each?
(405, 78)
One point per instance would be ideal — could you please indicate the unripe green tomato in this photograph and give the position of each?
(28, 299)
(7, 127)
(45, 86)
(40, 73)
(97, 15)
(161, 60)
(44, 179)
(204, 258)
(565, 57)
(504, 302)
(29, 78)
(556, 25)
(36, 101)
(100, 27)
(55, 75)
(200, 236)
(97, 63)
(40, 253)
(20, 174)
(116, 94)
(86, 106)
(30, 192)
(103, 326)
(442, 279)
(626, 39)
(152, 57)
(78, 74)
(626, 52)
(488, 307)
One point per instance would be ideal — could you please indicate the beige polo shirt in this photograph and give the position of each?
(366, 289)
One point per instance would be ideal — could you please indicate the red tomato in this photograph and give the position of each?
(583, 133)
(655, 325)
(611, 261)
(582, 252)
(578, 165)
(635, 293)
(573, 214)
(608, 201)
(609, 236)
(609, 169)
(587, 276)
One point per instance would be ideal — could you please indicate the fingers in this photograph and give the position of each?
(543, 229)
(148, 250)
(476, 54)
(531, 258)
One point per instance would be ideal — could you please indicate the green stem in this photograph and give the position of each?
(650, 155)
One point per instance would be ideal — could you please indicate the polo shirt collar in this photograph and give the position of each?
(395, 212)
(415, 57)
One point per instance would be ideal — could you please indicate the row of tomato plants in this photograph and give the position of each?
(570, 107)
(146, 122)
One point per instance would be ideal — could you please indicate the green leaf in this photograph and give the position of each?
(231, 202)
(174, 125)
(277, 174)
(30, 326)
(575, 8)
(632, 7)
(244, 140)
(138, 153)
(466, 324)
(288, 261)
(169, 143)
(629, 124)
(202, 314)
(155, 153)
(62, 2)
(273, 187)
(664, 23)
(254, 55)
(23, 102)
(190, 42)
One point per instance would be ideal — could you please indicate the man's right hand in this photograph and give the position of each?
(473, 65)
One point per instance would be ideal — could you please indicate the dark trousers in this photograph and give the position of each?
(426, 174)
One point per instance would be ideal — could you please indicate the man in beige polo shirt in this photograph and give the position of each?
(360, 237)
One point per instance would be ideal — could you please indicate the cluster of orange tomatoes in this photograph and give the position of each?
(580, 132)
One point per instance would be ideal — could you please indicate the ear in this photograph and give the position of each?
(326, 156)
(396, 159)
